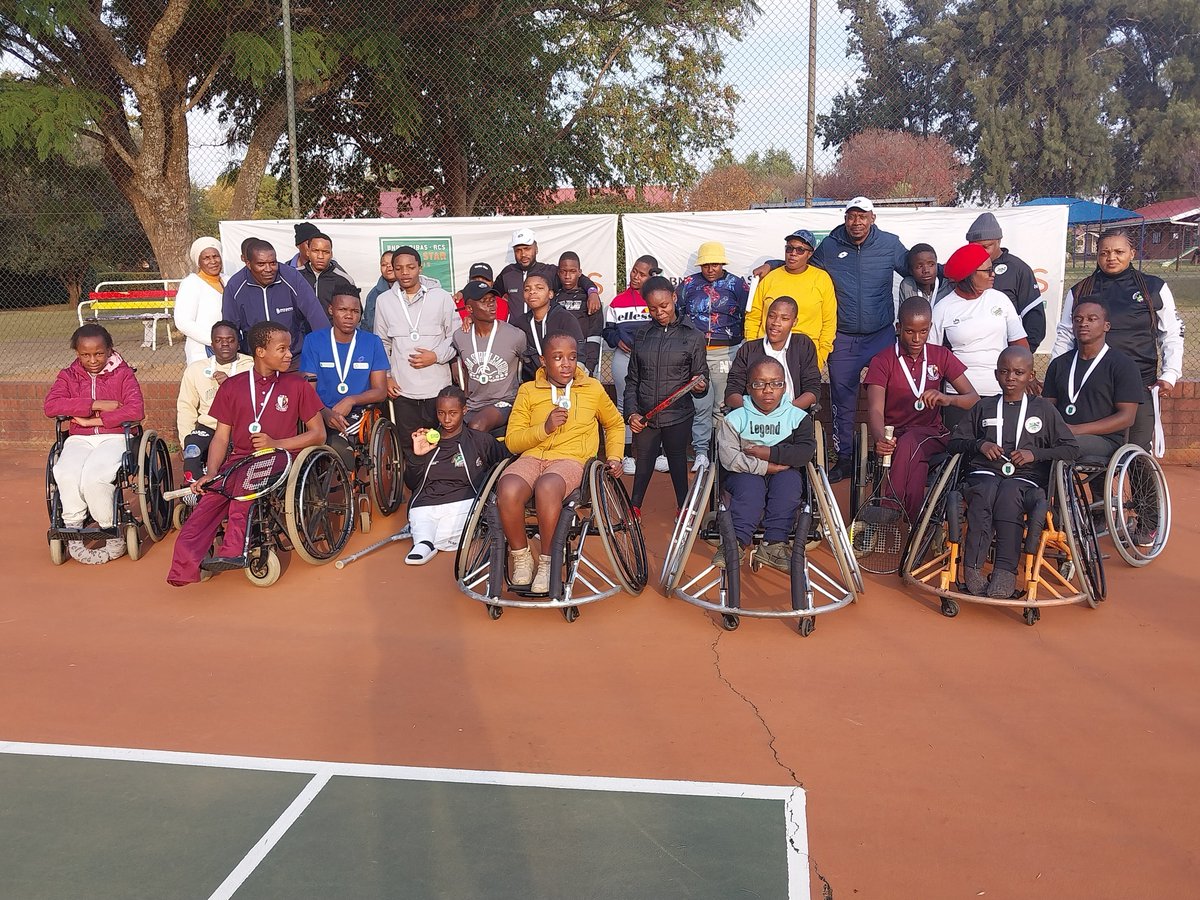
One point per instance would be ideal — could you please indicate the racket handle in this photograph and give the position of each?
(888, 431)
(177, 493)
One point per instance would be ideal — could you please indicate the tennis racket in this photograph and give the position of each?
(673, 396)
(254, 476)
(880, 527)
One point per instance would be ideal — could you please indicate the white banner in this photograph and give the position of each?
(449, 246)
(1036, 234)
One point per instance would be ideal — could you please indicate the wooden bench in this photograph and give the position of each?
(149, 302)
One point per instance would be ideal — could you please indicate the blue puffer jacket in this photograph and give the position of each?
(862, 277)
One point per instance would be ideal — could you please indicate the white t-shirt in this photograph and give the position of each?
(977, 331)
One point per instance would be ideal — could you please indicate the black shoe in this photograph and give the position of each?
(224, 563)
(840, 470)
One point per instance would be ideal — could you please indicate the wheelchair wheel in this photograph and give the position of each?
(1137, 505)
(387, 467)
(53, 505)
(133, 544)
(318, 505)
(683, 538)
(1081, 535)
(620, 529)
(930, 532)
(265, 567)
(154, 478)
(819, 456)
(479, 559)
(834, 529)
(58, 552)
(861, 476)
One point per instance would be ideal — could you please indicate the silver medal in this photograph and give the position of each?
(343, 388)
(919, 405)
(564, 403)
(1008, 468)
(414, 335)
(208, 373)
(1070, 410)
(482, 378)
(254, 428)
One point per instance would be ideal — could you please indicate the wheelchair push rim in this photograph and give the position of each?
(687, 527)
(387, 467)
(1131, 475)
(318, 505)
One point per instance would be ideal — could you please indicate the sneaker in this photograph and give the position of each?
(405, 532)
(840, 471)
(776, 554)
(661, 464)
(1002, 584)
(115, 547)
(976, 581)
(719, 557)
(85, 555)
(629, 464)
(522, 567)
(541, 581)
(700, 463)
(421, 554)
(1144, 535)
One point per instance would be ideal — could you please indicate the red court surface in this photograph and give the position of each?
(941, 758)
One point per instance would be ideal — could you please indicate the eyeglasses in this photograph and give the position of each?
(988, 271)
(760, 385)
(797, 248)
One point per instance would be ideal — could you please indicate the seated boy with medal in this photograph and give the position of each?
(553, 429)
(1010, 443)
(904, 390)
(764, 445)
(350, 367)
(196, 391)
(262, 407)
(490, 353)
(1097, 388)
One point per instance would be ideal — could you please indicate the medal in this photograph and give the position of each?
(482, 378)
(918, 392)
(1073, 392)
(208, 372)
(563, 402)
(482, 375)
(414, 335)
(254, 427)
(343, 372)
(1008, 468)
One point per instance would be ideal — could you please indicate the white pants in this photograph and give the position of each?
(442, 525)
(85, 473)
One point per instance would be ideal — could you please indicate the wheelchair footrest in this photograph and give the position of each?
(82, 534)
(224, 563)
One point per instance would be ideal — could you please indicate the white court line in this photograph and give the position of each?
(793, 798)
(267, 842)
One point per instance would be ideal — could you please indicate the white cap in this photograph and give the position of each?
(862, 203)
(523, 236)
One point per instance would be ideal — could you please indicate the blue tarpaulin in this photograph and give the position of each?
(1086, 212)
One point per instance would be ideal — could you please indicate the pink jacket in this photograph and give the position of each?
(74, 390)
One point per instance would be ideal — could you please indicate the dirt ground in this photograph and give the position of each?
(942, 758)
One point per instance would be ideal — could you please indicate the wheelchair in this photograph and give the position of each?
(375, 462)
(598, 512)
(1061, 562)
(718, 589)
(1129, 495)
(143, 477)
(312, 514)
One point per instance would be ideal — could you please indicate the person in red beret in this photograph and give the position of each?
(976, 321)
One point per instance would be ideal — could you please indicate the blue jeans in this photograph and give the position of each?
(851, 353)
(709, 403)
(769, 500)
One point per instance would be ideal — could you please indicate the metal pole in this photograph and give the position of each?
(290, 87)
(809, 149)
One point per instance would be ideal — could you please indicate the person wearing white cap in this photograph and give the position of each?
(510, 281)
(198, 299)
(861, 259)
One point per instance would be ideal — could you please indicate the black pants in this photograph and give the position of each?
(411, 415)
(195, 453)
(1141, 432)
(997, 506)
(672, 442)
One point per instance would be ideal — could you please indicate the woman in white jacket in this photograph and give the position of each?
(198, 301)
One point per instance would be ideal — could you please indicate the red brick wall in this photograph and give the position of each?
(22, 423)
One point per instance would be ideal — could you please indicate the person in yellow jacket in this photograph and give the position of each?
(553, 430)
(810, 287)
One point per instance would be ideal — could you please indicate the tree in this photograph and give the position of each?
(767, 177)
(893, 164)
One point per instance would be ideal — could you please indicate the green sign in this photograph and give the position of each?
(437, 256)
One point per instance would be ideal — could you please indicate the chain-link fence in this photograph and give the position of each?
(129, 129)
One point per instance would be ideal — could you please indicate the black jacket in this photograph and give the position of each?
(510, 284)
(487, 452)
(664, 359)
(801, 363)
(1016, 280)
(1051, 441)
(557, 320)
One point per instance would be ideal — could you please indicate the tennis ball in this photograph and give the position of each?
(433, 436)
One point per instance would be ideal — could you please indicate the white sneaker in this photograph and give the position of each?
(629, 465)
(701, 462)
(541, 580)
(421, 554)
(115, 547)
(661, 465)
(88, 557)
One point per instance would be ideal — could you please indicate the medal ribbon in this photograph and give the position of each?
(566, 394)
(343, 372)
(258, 413)
(413, 328)
(912, 383)
(487, 351)
(1072, 393)
(1020, 422)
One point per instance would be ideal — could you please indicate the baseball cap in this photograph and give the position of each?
(480, 270)
(477, 290)
(523, 236)
(803, 234)
(863, 203)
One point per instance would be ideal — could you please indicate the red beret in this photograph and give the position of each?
(965, 261)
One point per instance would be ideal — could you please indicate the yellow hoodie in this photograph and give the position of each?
(578, 437)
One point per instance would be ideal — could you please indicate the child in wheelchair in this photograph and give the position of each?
(99, 392)
(764, 445)
(449, 474)
(553, 427)
(259, 408)
(1010, 443)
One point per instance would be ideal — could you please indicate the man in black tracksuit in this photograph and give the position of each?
(667, 354)
(1014, 278)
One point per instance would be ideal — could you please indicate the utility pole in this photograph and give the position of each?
(809, 149)
(290, 87)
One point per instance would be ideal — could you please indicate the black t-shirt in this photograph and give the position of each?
(1116, 379)
(446, 480)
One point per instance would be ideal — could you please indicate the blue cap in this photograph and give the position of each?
(803, 234)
